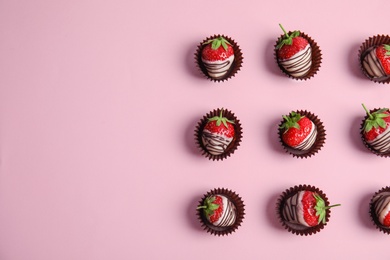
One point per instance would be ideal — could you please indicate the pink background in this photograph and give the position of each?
(98, 105)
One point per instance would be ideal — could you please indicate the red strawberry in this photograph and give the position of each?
(290, 45)
(376, 123)
(308, 206)
(383, 54)
(212, 208)
(386, 221)
(314, 209)
(225, 129)
(218, 49)
(296, 129)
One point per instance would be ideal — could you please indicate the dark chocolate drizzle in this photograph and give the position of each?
(220, 68)
(214, 143)
(299, 64)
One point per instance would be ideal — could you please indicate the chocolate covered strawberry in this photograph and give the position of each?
(376, 130)
(219, 210)
(217, 57)
(217, 134)
(381, 208)
(294, 53)
(299, 132)
(376, 62)
(305, 208)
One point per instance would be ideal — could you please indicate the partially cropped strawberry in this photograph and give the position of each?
(383, 54)
(376, 123)
(299, 131)
(377, 61)
(217, 57)
(381, 208)
(218, 134)
(294, 53)
(219, 210)
(376, 130)
(386, 220)
(306, 208)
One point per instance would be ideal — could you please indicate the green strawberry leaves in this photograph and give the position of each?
(387, 48)
(291, 121)
(208, 206)
(217, 42)
(287, 39)
(375, 119)
(321, 208)
(220, 119)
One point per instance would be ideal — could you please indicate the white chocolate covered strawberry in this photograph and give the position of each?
(376, 130)
(305, 208)
(299, 131)
(218, 133)
(219, 210)
(294, 54)
(376, 62)
(217, 57)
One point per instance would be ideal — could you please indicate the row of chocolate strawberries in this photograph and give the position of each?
(302, 134)
(297, 55)
(302, 210)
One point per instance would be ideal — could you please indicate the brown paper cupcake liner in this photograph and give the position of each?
(374, 217)
(236, 65)
(369, 147)
(318, 143)
(240, 211)
(231, 147)
(316, 58)
(296, 228)
(366, 46)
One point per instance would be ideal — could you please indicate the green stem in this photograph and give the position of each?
(288, 36)
(368, 112)
(202, 207)
(220, 114)
(336, 205)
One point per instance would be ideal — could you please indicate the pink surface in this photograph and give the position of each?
(98, 106)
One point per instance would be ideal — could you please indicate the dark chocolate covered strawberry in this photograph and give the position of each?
(294, 54)
(299, 132)
(376, 61)
(217, 57)
(218, 133)
(305, 208)
(219, 210)
(376, 129)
